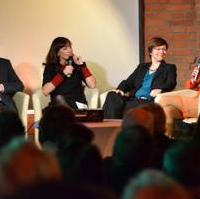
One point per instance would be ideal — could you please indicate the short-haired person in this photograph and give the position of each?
(65, 73)
(146, 82)
(9, 85)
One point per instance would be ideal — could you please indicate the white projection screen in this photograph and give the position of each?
(104, 32)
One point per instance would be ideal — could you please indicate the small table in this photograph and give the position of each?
(105, 133)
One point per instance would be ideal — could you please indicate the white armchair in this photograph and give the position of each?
(40, 101)
(102, 97)
(21, 100)
(92, 97)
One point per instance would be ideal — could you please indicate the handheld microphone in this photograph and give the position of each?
(195, 78)
(69, 62)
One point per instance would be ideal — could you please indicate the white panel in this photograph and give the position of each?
(104, 32)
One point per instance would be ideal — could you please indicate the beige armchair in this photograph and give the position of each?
(172, 112)
(40, 101)
(102, 97)
(22, 101)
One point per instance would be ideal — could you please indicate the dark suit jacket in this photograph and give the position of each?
(164, 78)
(11, 83)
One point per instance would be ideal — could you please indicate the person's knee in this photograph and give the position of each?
(114, 98)
(172, 113)
(113, 106)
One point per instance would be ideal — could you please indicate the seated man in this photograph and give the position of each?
(9, 85)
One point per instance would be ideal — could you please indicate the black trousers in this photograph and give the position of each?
(116, 105)
(8, 106)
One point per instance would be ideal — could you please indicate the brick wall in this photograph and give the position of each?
(178, 21)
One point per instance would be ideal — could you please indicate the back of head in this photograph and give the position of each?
(75, 134)
(81, 163)
(65, 190)
(23, 164)
(133, 147)
(138, 116)
(182, 162)
(159, 118)
(158, 192)
(10, 127)
(153, 184)
(54, 120)
(80, 160)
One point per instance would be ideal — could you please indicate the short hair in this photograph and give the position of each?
(153, 182)
(156, 41)
(54, 120)
(159, 117)
(182, 162)
(133, 147)
(23, 164)
(138, 116)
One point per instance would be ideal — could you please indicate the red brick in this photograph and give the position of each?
(156, 1)
(179, 7)
(180, 2)
(178, 21)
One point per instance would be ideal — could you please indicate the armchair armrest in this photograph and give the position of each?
(184, 92)
(103, 97)
(21, 100)
(40, 101)
(92, 96)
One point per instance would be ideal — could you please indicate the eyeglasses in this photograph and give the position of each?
(160, 48)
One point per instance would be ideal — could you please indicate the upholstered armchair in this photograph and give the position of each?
(187, 110)
(40, 101)
(21, 100)
(172, 112)
(102, 97)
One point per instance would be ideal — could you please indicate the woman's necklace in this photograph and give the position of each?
(153, 68)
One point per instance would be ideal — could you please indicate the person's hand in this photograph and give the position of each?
(194, 75)
(1, 88)
(78, 60)
(119, 92)
(68, 70)
(155, 92)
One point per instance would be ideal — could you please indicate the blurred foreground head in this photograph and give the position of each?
(22, 164)
(152, 184)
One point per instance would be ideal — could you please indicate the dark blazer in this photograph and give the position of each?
(164, 78)
(11, 83)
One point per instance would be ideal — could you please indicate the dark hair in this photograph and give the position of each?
(133, 147)
(54, 120)
(81, 163)
(182, 163)
(56, 45)
(156, 41)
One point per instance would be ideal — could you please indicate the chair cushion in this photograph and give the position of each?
(190, 104)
